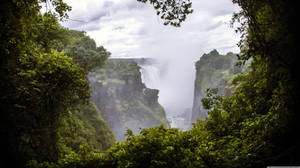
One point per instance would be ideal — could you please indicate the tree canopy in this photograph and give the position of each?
(173, 12)
(39, 82)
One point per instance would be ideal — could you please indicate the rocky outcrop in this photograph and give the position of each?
(212, 71)
(123, 99)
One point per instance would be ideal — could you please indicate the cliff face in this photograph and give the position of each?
(123, 99)
(212, 71)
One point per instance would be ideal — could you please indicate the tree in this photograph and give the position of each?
(269, 38)
(38, 83)
(84, 51)
(174, 12)
(47, 85)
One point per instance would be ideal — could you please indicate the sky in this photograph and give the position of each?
(127, 29)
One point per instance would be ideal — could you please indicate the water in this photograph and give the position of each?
(155, 75)
(150, 76)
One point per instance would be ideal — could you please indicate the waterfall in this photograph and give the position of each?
(156, 75)
(150, 76)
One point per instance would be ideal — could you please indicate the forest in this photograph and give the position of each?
(48, 119)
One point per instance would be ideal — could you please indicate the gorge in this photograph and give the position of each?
(126, 91)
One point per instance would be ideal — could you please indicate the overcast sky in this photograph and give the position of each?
(128, 28)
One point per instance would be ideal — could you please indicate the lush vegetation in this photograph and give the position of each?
(83, 50)
(254, 127)
(44, 86)
(84, 127)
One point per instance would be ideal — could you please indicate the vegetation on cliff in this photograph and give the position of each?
(123, 99)
(213, 70)
(84, 127)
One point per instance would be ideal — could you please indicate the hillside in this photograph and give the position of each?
(123, 99)
(213, 70)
